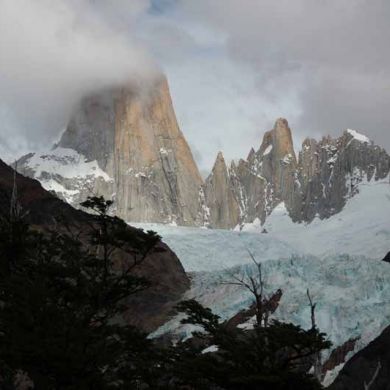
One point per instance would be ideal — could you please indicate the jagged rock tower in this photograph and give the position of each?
(256, 185)
(223, 206)
(318, 183)
(143, 159)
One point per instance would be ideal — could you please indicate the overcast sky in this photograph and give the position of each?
(234, 66)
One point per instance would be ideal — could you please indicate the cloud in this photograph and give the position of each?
(233, 66)
(52, 52)
(331, 55)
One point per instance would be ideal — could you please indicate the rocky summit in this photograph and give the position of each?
(316, 184)
(126, 145)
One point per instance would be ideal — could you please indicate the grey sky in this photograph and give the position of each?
(233, 66)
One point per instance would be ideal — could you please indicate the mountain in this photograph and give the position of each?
(124, 144)
(150, 308)
(316, 184)
(258, 183)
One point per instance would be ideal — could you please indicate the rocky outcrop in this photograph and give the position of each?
(219, 197)
(338, 356)
(316, 184)
(368, 369)
(148, 309)
(142, 157)
(387, 258)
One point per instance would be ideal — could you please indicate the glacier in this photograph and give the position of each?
(337, 259)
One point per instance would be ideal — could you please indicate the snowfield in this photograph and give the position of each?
(337, 259)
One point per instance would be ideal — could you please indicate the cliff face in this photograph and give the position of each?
(330, 172)
(142, 157)
(318, 183)
(154, 171)
(148, 309)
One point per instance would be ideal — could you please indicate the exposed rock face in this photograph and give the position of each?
(150, 308)
(387, 258)
(266, 178)
(369, 368)
(144, 159)
(318, 183)
(219, 197)
(330, 172)
(127, 145)
(338, 356)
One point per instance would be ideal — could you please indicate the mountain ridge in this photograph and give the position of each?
(128, 147)
(316, 183)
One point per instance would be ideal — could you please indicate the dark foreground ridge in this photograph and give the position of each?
(150, 308)
(369, 368)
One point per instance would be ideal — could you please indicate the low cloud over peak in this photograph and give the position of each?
(233, 66)
(52, 52)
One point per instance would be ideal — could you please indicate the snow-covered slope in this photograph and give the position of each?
(361, 228)
(66, 172)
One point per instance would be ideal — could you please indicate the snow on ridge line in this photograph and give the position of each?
(67, 163)
(358, 136)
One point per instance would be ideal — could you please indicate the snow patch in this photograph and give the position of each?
(359, 137)
(211, 349)
(267, 150)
